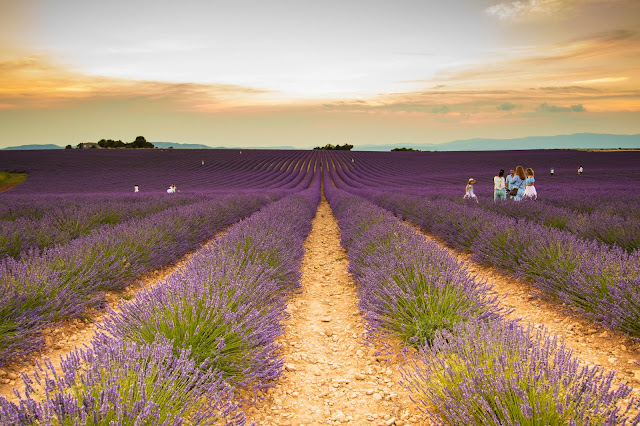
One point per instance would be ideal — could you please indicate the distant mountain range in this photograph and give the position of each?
(574, 141)
(163, 145)
(48, 146)
(180, 145)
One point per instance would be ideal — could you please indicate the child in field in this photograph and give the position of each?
(530, 192)
(469, 190)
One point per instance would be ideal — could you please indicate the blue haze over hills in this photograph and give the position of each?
(574, 141)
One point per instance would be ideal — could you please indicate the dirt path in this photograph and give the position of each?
(331, 375)
(591, 343)
(76, 333)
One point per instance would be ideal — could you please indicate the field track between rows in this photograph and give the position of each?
(332, 376)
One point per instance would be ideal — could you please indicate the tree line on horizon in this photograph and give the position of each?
(139, 142)
(345, 147)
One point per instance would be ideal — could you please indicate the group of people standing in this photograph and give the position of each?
(518, 185)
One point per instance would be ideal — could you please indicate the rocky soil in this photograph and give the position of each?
(331, 375)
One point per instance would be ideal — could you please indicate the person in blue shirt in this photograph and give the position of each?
(518, 182)
(507, 184)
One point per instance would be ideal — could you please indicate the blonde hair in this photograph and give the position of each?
(520, 172)
(529, 171)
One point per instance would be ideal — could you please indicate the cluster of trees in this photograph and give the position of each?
(406, 149)
(345, 147)
(140, 142)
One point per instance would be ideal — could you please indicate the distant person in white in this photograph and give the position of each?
(580, 170)
(552, 171)
(136, 188)
(499, 192)
(172, 189)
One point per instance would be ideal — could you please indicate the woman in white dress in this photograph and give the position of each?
(530, 192)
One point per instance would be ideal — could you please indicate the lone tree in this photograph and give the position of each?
(110, 143)
(140, 142)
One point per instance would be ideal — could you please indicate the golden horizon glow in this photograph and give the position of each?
(505, 78)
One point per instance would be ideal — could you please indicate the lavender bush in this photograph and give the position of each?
(228, 302)
(57, 220)
(407, 286)
(509, 375)
(595, 278)
(42, 288)
(125, 384)
(505, 374)
(115, 171)
(213, 324)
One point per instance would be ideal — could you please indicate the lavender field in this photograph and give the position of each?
(188, 350)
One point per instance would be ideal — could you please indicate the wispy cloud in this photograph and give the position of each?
(507, 106)
(520, 9)
(35, 81)
(545, 107)
(602, 80)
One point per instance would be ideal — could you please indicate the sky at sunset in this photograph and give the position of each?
(301, 73)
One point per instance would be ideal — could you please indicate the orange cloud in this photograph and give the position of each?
(35, 82)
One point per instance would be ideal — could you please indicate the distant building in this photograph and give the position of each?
(84, 145)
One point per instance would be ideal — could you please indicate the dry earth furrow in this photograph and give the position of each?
(331, 375)
(590, 342)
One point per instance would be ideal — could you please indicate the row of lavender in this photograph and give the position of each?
(601, 281)
(37, 222)
(61, 282)
(181, 351)
(611, 219)
(117, 171)
(598, 279)
(42, 287)
(505, 374)
(597, 225)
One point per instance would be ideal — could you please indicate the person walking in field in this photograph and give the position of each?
(552, 171)
(136, 188)
(530, 192)
(469, 190)
(517, 184)
(580, 170)
(499, 186)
